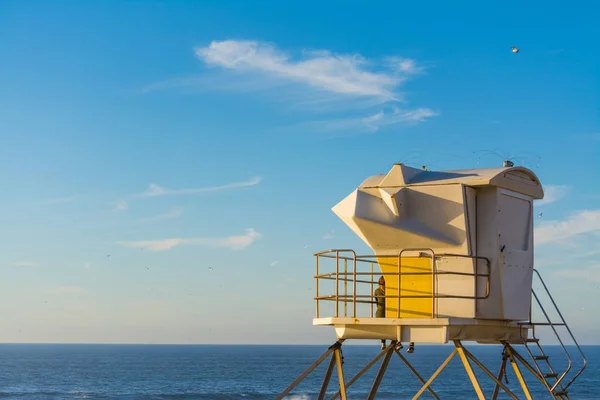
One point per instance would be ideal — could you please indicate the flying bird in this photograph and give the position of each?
(515, 49)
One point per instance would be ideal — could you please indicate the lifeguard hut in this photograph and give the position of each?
(456, 251)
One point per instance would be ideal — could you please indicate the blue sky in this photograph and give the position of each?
(220, 134)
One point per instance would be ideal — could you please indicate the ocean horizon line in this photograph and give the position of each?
(376, 343)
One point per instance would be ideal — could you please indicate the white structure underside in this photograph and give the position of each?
(417, 330)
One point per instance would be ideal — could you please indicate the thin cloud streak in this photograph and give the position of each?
(64, 290)
(371, 123)
(582, 222)
(121, 205)
(405, 65)
(328, 235)
(553, 193)
(234, 242)
(65, 199)
(26, 264)
(171, 214)
(589, 273)
(154, 190)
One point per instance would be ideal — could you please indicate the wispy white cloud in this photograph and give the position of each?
(582, 222)
(170, 214)
(87, 265)
(372, 122)
(552, 193)
(589, 253)
(155, 191)
(577, 250)
(65, 199)
(26, 264)
(341, 74)
(274, 263)
(590, 273)
(405, 65)
(65, 290)
(121, 205)
(328, 235)
(343, 77)
(156, 245)
(321, 80)
(235, 242)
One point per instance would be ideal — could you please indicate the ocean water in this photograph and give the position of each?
(220, 372)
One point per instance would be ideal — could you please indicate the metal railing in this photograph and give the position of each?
(352, 269)
(558, 385)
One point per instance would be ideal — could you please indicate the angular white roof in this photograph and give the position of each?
(518, 179)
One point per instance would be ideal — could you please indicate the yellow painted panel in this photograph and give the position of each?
(410, 285)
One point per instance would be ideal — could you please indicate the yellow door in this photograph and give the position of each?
(410, 285)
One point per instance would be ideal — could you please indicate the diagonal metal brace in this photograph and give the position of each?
(365, 369)
(327, 378)
(414, 371)
(435, 374)
(489, 373)
(381, 372)
(331, 349)
(501, 373)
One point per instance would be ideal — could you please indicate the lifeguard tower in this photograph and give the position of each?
(456, 251)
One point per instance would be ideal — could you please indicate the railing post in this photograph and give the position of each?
(354, 289)
(337, 283)
(372, 283)
(317, 285)
(433, 278)
(345, 287)
(399, 281)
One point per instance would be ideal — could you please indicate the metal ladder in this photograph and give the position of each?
(553, 381)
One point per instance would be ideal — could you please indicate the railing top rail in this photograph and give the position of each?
(334, 254)
(335, 251)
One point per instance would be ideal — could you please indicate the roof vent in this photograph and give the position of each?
(508, 164)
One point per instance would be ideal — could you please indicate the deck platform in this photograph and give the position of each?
(430, 330)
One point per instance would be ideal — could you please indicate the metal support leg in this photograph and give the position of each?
(500, 374)
(414, 371)
(471, 357)
(338, 360)
(314, 365)
(469, 369)
(519, 375)
(362, 371)
(435, 374)
(327, 378)
(381, 372)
